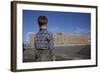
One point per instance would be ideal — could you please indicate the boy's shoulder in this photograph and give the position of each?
(46, 34)
(49, 32)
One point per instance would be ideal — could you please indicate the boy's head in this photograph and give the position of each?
(42, 21)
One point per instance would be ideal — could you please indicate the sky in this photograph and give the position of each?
(66, 22)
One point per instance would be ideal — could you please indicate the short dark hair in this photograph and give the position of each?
(42, 20)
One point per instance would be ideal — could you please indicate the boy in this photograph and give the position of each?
(44, 42)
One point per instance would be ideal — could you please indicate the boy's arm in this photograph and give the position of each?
(51, 45)
(35, 48)
(34, 42)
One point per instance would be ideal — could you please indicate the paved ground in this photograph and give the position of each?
(62, 53)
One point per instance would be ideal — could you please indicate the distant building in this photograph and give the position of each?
(61, 39)
(31, 36)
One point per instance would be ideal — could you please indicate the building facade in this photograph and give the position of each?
(61, 39)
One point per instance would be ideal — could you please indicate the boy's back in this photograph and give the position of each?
(44, 42)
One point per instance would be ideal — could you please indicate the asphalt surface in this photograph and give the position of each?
(63, 53)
